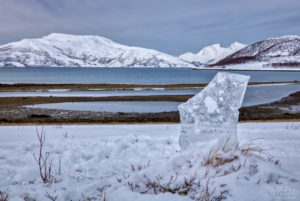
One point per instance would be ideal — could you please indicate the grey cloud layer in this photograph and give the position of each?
(172, 26)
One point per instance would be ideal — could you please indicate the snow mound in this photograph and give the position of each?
(214, 174)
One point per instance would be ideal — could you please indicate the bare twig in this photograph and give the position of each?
(45, 166)
(51, 197)
(65, 135)
(3, 196)
(88, 198)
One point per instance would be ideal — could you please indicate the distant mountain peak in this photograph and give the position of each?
(286, 37)
(211, 54)
(281, 51)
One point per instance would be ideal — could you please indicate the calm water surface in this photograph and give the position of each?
(114, 106)
(130, 75)
(255, 95)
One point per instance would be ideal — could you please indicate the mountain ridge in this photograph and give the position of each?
(58, 50)
(65, 50)
(211, 54)
(272, 52)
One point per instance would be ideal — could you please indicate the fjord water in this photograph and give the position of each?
(130, 75)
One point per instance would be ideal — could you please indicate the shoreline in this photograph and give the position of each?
(221, 68)
(13, 112)
(239, 69)
(136, 123)
(23, 101)
(18, 87)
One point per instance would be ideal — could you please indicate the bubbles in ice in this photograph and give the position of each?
(213, 113)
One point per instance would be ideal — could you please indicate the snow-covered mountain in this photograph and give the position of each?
(211, 54)
(63, 50)
(273, 52)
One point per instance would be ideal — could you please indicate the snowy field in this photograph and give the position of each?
(117, 162)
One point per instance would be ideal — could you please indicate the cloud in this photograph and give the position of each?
(172, 26)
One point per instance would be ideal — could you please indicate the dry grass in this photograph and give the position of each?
(215, 156)
(252, 148)
(220, 161)
(139, 167)
(51, 197)
(191, 187)
(3, 196)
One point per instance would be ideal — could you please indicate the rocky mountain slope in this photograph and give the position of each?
(273, 52)
(211, 54)
(62, 50)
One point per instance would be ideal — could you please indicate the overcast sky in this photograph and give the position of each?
(171, 26)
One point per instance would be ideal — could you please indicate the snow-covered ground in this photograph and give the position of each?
(110, 161)
(255, 66)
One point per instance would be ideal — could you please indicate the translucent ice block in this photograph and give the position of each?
(213, 113)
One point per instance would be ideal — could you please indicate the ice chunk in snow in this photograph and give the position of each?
(213, 113)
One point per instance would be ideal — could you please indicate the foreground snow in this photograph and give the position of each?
(112, 160)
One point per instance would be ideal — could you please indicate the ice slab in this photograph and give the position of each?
(212, 114)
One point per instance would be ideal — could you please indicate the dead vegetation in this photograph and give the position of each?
(3, 196)
(220, 161)
(44, 162)
(191, 186)
(51, 197)
(224, 160)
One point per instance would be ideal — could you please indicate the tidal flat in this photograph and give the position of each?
(13, 110)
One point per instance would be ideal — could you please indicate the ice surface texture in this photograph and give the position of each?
(213, 113)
